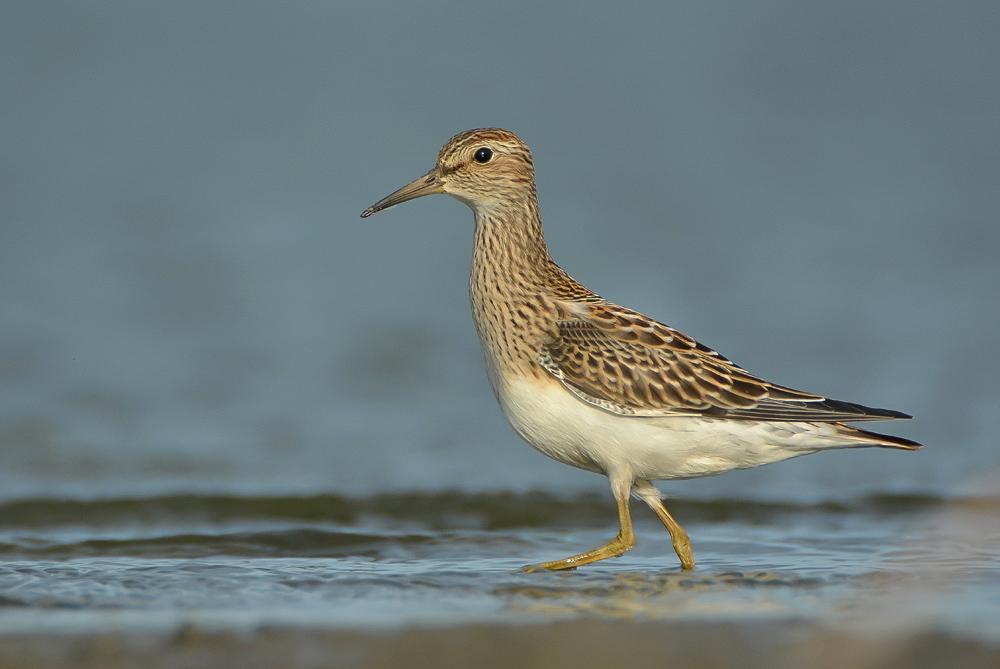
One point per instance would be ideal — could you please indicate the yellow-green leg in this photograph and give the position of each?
(678, 537)
(617, 546)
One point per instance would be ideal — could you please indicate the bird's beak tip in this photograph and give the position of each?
(428, 184)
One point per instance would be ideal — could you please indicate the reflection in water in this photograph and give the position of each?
(647, 595)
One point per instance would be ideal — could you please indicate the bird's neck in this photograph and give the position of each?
(509, 253)
(508, 288)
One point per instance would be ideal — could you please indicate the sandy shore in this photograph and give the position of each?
(580, 645)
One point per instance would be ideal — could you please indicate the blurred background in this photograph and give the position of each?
(190, 302)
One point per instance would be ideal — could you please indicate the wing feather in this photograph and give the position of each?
(626, 363)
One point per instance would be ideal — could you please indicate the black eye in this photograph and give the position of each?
(483, 155)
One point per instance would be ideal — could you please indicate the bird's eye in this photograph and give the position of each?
(483, 156)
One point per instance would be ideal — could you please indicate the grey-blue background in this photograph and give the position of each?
(188, 300)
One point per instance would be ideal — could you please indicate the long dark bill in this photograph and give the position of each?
(428, 184)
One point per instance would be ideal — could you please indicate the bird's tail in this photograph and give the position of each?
(866, 438)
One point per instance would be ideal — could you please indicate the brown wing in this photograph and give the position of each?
(628, 364)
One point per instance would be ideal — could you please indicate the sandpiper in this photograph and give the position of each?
(602, 387)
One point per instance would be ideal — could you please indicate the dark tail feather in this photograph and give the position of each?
(884, 440)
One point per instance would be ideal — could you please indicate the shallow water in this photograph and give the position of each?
(453, 558)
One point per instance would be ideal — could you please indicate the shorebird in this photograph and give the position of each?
(602, 387)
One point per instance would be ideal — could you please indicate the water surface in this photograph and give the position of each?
(453, 558)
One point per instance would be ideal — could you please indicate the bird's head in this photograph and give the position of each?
(486, 168)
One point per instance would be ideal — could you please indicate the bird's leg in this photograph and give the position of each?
(617, 546)
(678, 537)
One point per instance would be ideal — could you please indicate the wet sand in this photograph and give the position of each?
(581, 645)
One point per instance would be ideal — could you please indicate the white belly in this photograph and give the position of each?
(570, 431)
